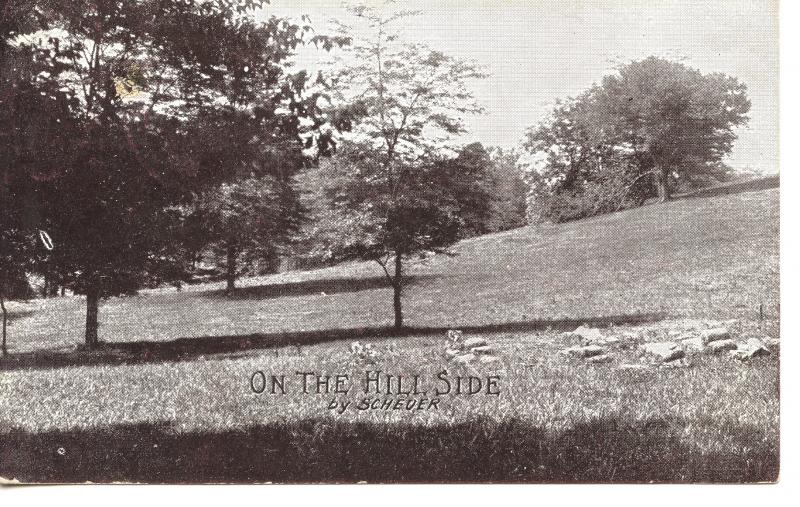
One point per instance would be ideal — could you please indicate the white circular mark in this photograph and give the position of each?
(46, 241)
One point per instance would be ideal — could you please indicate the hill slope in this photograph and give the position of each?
(712, 257)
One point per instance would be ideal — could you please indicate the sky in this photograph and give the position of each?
(538, 51)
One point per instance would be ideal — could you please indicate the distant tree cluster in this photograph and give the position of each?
(644, 131)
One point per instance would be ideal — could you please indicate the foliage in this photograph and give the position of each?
(161, 100)
(650, 127)
(390, 190)
(508, 191)
(247, 222)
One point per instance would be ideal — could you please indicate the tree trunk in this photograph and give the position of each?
(397, 285)
(5, 321)
(92, 306)
(63, 291)
(662, 183)
(230, 275)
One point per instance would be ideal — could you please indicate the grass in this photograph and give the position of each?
(169, 399)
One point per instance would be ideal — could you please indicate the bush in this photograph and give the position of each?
(608, 193)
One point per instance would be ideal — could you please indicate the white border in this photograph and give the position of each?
(545, 495)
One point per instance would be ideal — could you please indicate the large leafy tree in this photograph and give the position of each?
(391, 191)
(36, 133)
(677, 121)
(577, 170)
(642, 131)
(159, 87)
(360, 213)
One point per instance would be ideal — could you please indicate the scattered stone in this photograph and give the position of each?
(753, 348)
(483, 349)
(465, 351)
(451, 353)
(718, 346)
(584, 352)
(664, 351)
(474, 342)
(602, 358)
(679, 363)
(464, 359)
(716, 334)
(488, 359)
(692, 344)
(589, 335)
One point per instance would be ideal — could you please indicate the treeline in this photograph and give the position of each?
(153, 142)
(144, 142)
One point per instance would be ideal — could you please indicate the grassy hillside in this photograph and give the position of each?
(170, 400)
(711, 257)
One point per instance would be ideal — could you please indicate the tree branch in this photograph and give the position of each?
(382, 264)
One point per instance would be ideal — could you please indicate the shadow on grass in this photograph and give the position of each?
(310, 287)
(186, 349)
(329, 450)
(735, 188)
(19, 314)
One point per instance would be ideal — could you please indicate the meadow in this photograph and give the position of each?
(168, 398)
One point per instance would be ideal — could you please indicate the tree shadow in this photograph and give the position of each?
(735, 188)
(333, 450)
(19, 314)
(187, 349)
(327, 286)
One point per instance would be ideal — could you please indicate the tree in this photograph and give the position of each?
(35, 141)
(643, 130)
(248, 221)
(388, 185)
(677, 121)
(361, 213)
(158, 85)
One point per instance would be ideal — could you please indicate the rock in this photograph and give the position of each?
(716, 334)
(718, 346)
(771, 343)
(451, 353)
(587, 351)
(474, 342)
(679, 363)
(464, 359)
(753, 348)
(488, 359)
(484, 349)
(693, 344)
(664, 351)
(589, 335)
(602, 358)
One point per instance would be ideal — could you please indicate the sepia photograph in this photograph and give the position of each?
(389, 242)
